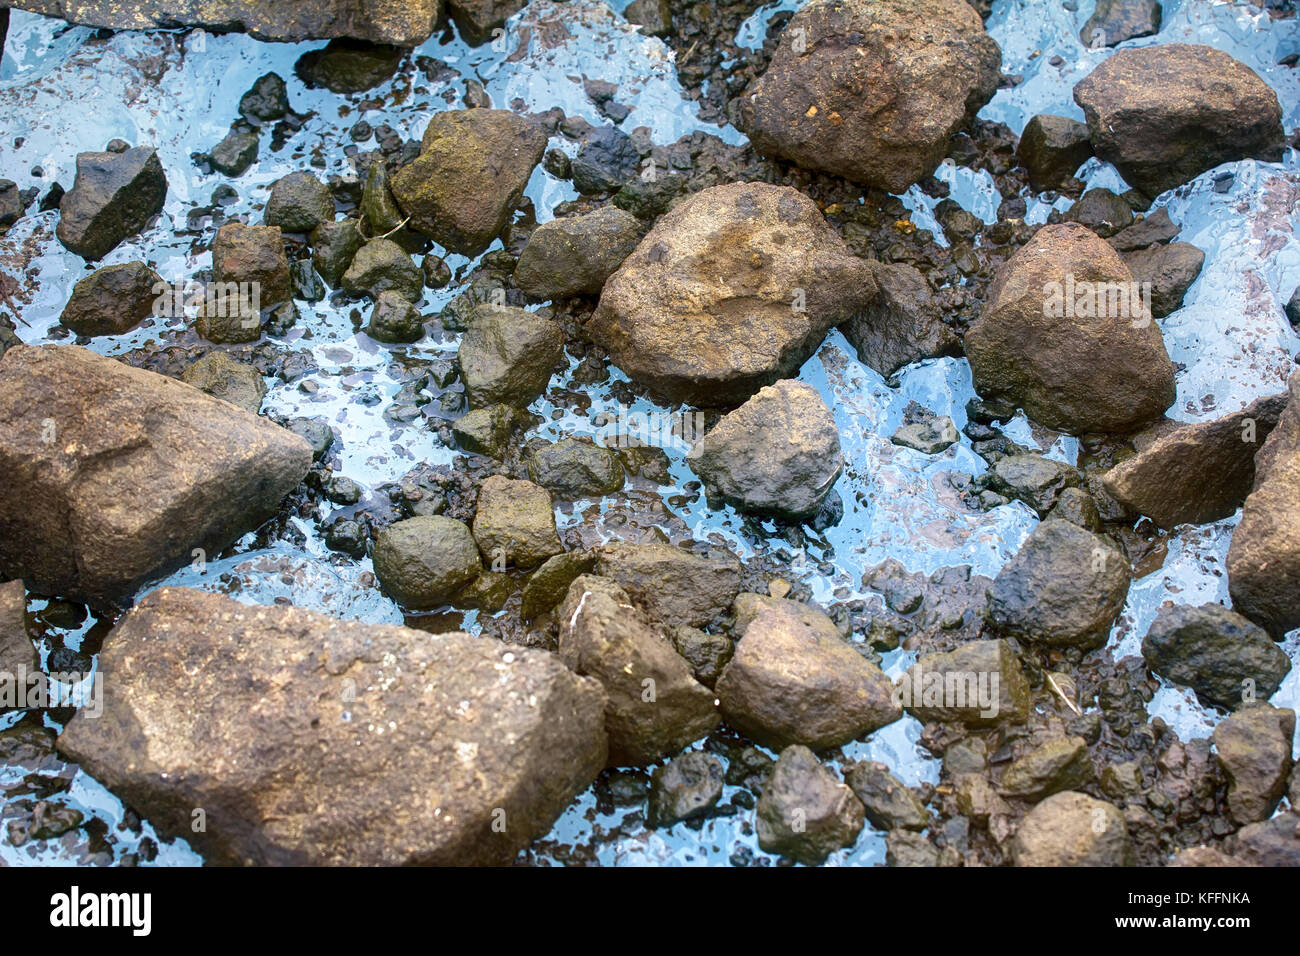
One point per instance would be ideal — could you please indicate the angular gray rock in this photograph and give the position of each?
(901, 323)
(805, 813)
(1051, 149)
(362, 745)
(778, 454)
(113, 196)
(507, 355)
(673, 585)
(115, 475)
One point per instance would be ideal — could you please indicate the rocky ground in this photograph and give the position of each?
(662, 434)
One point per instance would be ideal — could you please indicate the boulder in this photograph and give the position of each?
(1063, 588)
(901, 323)
(980, 684)
(1264, 556)
(1254, 748)
(1051, 150)
(1168, 272)
(1194, 473)
(572, 468)
(1064, 334)
(673, 585)
(404, 22)
(222, 377)
(685, 787)
(423, 561)
(1049, 766)
(299, 202)
(381, 265)
(115, 475)
(778, 454)
(733, 289)
(393, 319)
(1219, 654)
(271, 719)
(507, 355)
(113, 300)
(889, 804)
(795, 680)
(1163, 114)
(804, 813)
(1073, 829)
(514, 524)
(654, 706)
(872, 90)
(575, 254)
(113, 197)
(470, 174)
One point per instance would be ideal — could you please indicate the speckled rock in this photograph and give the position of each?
(672, 584)
(805, 813)
(507, 355)
(222, 377)
(1073, 829)
(422, 562)
(113, 300)
(514, 524)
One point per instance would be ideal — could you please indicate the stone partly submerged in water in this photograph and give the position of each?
(1066, 336)
(113, 197)
(778, 454)
(804, 812)
(732, 289)
(1163, 114)
(112, 300)
(307, 740)
(115, 474)
(470, 174)
(403, 22)
(872, 90)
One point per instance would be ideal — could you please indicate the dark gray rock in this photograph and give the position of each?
(805, 813)
(113, 197)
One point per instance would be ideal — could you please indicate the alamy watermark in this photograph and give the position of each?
(950, 690)
(21, 690)
(667, 430)
(1098, 300)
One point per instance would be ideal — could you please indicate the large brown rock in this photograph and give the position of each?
(733, 289)
(795, 680)
(1163, 114)
(778, 454)
(470, 174)
(403, 22)
(306, 740)
(1264, 557)
(655, 707)
(979, 684)
(1254, 749)
(114, 474)
(1194, 473)
(1064, 334)
(872, 89)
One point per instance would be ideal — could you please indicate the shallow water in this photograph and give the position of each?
(64, 92)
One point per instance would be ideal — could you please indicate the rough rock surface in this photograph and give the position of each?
(222, 377)
(114, 474)
(423, 561)
(889, 804)
(732, 289)
(804, 812)
(299, 202)
(470, 174)
(778, 454)
(672, 584)
(507, 355)
(269, 722)
(1051, 149)
(112, 300)
(1163, 114)
(1063, 336)
(872, 90)
(654, 706)
(687, 786)
(948, 686)
(381, 265)
(1254, 748)
(1073, 829)
(795, 680)
(1216, 652)
(1194, 473)
(1114, 21)
(476, 19)
(113, 196)
(515, 523)
(1063, 588)
(403, 22)
(572, 468)
(901, 323)
(17, 652)
(575, 254)
(1264, 557)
